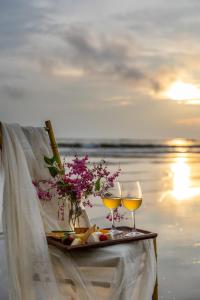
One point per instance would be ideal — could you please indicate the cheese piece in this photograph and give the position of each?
(94, 237)
(80, 235)
(88, 233)
(104, 231)
(76, 242)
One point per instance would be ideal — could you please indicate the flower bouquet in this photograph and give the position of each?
(74, 183)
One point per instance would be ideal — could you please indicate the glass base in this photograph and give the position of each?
(133, 234)
(115, 231)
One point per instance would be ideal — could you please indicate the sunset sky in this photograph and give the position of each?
(107, 68)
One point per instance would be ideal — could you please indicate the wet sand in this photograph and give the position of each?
(171, 207)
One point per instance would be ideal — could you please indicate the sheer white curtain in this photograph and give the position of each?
(29, 265)
(37, 272)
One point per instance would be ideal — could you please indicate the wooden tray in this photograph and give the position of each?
(120, 240)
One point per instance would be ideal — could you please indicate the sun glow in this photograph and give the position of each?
(179, 142)
(181, 91)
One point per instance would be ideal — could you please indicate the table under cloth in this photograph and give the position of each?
(38, 272)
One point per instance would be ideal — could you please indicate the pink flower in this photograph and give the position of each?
(79, 181)
(116, 215)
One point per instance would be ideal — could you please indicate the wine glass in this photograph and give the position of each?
(112, 199)
(131, 198)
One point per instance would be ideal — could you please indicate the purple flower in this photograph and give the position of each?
(79, 181)
(116, 215)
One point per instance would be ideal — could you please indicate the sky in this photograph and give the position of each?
(102, 68)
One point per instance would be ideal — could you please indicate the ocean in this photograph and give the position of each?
(169, 173)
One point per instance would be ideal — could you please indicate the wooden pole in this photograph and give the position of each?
(1, 137)
(155, 292)
(54, 146)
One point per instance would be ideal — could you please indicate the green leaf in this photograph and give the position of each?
(53, 171)
(50, 161)
(62, 184)
(62, 171)
(98, 184)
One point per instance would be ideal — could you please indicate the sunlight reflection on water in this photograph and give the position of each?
(181, 176)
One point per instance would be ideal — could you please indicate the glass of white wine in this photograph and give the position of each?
(131, 198)
(112, 199)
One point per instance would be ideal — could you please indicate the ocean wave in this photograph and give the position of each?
(128, 148)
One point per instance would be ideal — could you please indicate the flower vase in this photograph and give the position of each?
(66, 215)
(75, 212)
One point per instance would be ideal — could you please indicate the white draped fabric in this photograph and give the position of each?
(38, 272)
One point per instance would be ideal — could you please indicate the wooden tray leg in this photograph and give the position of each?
(1, 138)
(155, 292)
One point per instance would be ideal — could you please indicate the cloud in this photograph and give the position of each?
(79, 50)
(108, 56)
(73, 57)
(59, 69)
(68, 72)
(164, 19)
(13, 92)
(102, 54)
(189, 122)
(120, 100)
(18, 19)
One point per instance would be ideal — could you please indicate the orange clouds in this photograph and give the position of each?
(188, 121)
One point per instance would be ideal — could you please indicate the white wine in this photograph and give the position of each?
(132, 203)
(111, 202)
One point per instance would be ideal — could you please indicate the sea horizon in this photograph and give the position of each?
(112, 147)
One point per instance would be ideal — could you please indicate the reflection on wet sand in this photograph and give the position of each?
(181, 176)
(181, 186)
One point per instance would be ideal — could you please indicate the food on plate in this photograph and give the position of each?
(77, 241)
(103, 237)
(68, 239)
(80, 229)
(56, 234)
(88, 233)
(92, 234)
(94, 237)
(104, 231)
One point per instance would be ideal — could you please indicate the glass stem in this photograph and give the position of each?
(112, 215)
(133, 220)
